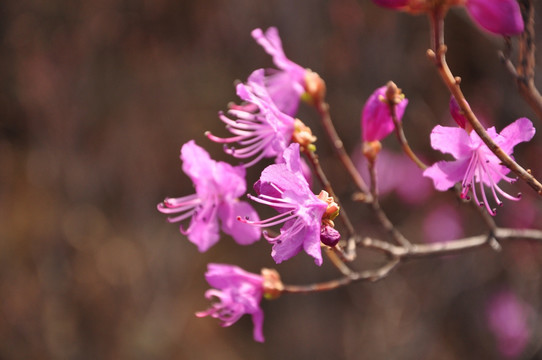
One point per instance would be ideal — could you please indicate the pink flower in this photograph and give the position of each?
(258, 126)
(218, 186)
(475, 163)
(285, 86)
(283, 187)
(497, 16)
(507, 318)
(502, 17)
(376, 120)
(239, 292)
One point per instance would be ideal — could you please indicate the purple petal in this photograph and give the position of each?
(222, 276)
(451, 140)
(311, 244)
(290, 246)
(497, 16)
(230, 179)
(520, 130)
(376, 120)
(242, 233)
(257, 320)
(203, 233)
(270, 41)
(446, 173)
(196, 161)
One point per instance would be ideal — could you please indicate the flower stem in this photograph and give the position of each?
(380, 214)
(399, 254)
(402, 139)
(323, 109)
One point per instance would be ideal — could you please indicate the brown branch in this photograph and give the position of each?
(379, 212)
(524, 71)
(323, 109)
(399, 254)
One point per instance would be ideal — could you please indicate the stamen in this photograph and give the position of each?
(181, 217)
(272, 221)
(273, 202)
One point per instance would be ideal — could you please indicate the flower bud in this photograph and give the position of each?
(502, 17)
(392, 4)
(459, 115)
(376, 118)
(329, 236)
(272, 285)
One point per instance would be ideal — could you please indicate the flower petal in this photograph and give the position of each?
(257, 320)
(290, 246)
(451, 140)
(204, 233)
(197, 163)
(446, 173)
(520, 130)
(242, 233)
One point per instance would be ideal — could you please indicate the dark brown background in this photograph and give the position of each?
(96, 99)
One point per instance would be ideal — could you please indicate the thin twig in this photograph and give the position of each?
(379, 212)
(402, 139)
(525, 70)
(399, 254)
(323, 109)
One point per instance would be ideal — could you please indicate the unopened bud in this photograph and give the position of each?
(315, 87)
(329, 236)
(302, 134)
(459, 115)
(272, 285)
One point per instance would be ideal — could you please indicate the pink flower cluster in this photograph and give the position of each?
(264, 126)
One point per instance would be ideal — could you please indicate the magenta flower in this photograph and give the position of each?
(283, 187)
(218, 186)
(499, 17)
(502, 17)
(475, 163)
(507, 317)
(258, 126)
(285, 86)
(239, 292)
(376, 120)
(392, 4)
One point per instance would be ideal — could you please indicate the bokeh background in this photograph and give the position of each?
(97, 98)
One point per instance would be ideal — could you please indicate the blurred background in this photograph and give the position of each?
(97, 98)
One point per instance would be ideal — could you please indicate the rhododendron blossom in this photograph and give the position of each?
(218, 186)
(239, 292)
(283, 187)
(258, 126)
(285, 86)
(475, 163)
